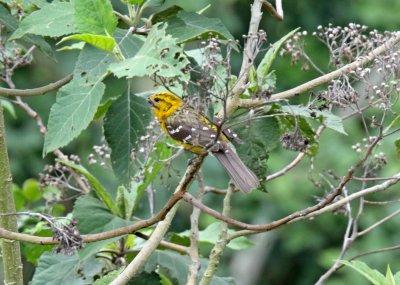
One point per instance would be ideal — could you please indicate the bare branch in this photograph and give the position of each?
(249, 55)
(223, 240)
(170, 245)
(35, 91)
(194, 266)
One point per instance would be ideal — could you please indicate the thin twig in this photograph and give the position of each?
(170, 245)
(370, 228)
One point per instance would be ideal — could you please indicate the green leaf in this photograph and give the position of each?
(74, 109)
(100, 191)
(389, 277)
(11, 24)
(393, 124)
(210, 236)
(163, 15)
(93, 63)
(108, 278)
(106, 43)
(135, 2)
(374, 276)
(31, 190)
(74, 46)
(188, 26)
(124, 123)
(115, 87)
(397, 278)
(32, 252)
(330, 120)
(94, 217)
(52, 20)
(159, 55)
(126, 199)
(259, 138)
(56, 269)
(175, 267)
(9, 107)
(95, 17)
(265, 64)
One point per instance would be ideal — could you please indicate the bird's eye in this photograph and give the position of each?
(156, 100)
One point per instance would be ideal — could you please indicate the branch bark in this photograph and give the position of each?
(12, 266)
(223, 240)
(35, 91)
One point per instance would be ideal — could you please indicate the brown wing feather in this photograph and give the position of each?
(186, 127)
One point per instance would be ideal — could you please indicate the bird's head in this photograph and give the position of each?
(164, 104)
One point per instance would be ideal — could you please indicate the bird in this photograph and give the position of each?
(195, 132)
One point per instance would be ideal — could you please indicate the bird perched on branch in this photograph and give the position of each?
(196, 133)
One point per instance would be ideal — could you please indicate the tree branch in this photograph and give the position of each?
(223, 240)
(249, 55)
(247, 103)
(161, 229)
(10, 249)
(36, 91)
(194, 266)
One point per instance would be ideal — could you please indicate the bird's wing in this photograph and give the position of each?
(186, 126)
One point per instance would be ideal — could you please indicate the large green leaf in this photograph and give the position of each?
(56, 269)
(11, 24)
(73, 111)
(95, 17)
(374, 276)
(159, 55)
(259, 137)
(106, 43)
(124, 123)
(52, 20)
(93, 63)
(175, 266)
(188, 26)
(94, 217)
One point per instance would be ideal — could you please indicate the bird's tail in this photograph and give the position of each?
(241, 175)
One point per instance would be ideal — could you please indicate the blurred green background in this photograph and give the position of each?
(295, 254)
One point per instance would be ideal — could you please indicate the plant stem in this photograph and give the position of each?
(223, 240)
(12, 265)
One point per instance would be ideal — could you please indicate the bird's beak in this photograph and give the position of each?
(151, 102)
